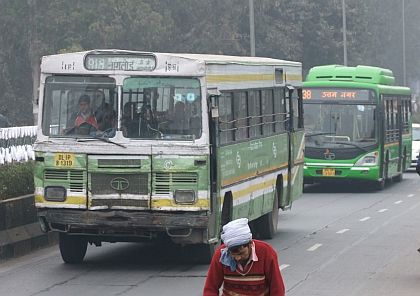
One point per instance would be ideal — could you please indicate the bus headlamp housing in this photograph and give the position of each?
(184, 196)
(370, 159)
(55, 193)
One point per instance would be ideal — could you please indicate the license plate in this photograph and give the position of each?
(64, 160)
(328, 172)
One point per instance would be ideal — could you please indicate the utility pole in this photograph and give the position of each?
(343, 2)
(252, 27)
(403, 34)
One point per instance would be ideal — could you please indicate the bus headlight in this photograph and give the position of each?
(184, 196)
(369, 159)
(55, 193)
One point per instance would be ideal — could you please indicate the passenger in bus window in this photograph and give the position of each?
(84, 122)
(105, 114)
(148, 123)
(179, 119)
(130, 120)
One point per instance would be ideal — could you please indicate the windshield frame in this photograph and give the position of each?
(331, 137)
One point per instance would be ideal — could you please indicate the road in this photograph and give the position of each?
(336, 241)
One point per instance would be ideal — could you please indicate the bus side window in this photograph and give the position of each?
(226, 117)
(279, 117)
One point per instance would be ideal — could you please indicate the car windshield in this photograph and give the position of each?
(158, 107)
(79, 106)
(340, 125)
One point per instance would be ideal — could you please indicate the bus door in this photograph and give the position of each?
(400, 133)
(294, 109)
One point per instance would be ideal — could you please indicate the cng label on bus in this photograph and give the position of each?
(64, 160)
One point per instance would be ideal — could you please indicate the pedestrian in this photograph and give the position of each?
(242, 265)
(418, 164)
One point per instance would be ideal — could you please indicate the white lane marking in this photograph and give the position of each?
(314, 247)
(382, 210)
(342, 231)
(398, 202)
(364, 219)
(283, 266)
(410, 195)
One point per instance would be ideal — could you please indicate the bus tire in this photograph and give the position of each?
(72, 248)
(267, 225)
(380, 185)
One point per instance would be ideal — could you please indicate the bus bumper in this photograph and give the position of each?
(319, 174)
(122, 225)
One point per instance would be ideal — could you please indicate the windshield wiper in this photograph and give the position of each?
(106, 140)
(350, 144)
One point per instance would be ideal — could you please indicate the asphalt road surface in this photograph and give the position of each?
(340, 240)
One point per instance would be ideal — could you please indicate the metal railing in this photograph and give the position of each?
(16, 144)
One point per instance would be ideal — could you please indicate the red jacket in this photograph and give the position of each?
(90, 119)
(264, 278)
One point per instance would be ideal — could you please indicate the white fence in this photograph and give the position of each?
(16, 144)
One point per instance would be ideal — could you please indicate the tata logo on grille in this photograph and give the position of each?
(329, 155)
(119, 184)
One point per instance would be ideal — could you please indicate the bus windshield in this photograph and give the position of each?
(157, 107)
(152, 107)
(79, 106)
(340, 125)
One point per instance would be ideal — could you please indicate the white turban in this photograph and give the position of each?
(236, 233)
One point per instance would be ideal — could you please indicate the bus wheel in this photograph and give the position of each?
(380, 185)
(267, 225)
(72, 248)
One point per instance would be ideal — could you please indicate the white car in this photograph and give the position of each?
(415, 146)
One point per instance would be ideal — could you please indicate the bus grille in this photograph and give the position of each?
(107, 183)
(122, 163)
(73, 178)
(110, 203)
(164, 183)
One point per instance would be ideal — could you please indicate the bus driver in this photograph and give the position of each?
(84, 120)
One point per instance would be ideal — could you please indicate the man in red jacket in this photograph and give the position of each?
(243, 266)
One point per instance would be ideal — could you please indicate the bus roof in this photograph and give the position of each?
(224, 59)
(363, 74)
(205, 58)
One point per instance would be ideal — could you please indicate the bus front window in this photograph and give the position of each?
(340, 124)
(157, 107)
(79, 106)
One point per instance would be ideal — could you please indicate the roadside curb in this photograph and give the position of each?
(20, 232)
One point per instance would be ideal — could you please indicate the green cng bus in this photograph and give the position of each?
(141, 145)
(357, 124)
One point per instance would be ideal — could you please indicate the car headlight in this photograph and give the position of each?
(369, 159)
(184, 196)
(55, 193)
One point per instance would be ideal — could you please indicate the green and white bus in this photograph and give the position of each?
(179, 145)
(357, 123)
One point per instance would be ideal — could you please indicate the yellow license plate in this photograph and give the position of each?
(328, 172)
(64, 160)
